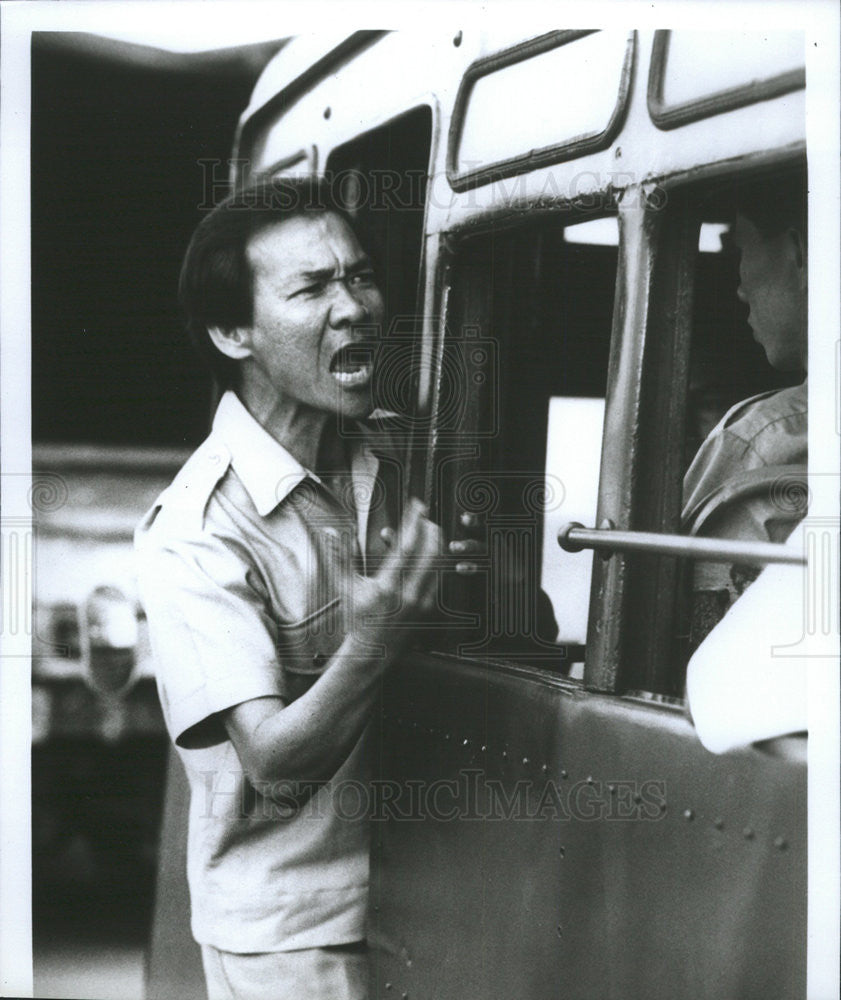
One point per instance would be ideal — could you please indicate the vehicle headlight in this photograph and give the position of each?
(109, 640)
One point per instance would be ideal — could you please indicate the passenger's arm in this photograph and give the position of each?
(739, 691)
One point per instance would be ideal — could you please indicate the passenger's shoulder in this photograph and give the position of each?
(747, 411)
(751, 417)
(180, 510)
(794, 400)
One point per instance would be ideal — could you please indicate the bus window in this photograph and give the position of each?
(573, 442)
(745, 449)
(381, 179)
(539, 299)
(699, 73)
(726, 363)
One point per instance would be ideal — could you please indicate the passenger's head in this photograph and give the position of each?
(771, 235)
(250, 245)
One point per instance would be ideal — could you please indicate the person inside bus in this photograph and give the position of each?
(738, 691)
(767, 431)
(278, 589)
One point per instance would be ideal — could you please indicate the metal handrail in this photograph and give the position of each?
(574, 537)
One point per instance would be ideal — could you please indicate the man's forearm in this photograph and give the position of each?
(308, 740)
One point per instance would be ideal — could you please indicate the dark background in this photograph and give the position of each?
(118, 133)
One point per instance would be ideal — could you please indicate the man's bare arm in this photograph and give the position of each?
(308, 740)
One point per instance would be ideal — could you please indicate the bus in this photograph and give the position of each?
(548, 216)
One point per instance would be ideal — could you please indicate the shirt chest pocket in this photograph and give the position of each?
(310, 596)
(304, 647)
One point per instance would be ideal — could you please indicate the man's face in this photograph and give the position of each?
(316, 313)
(772, 283)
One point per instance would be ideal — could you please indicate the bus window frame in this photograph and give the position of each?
(294, 90)
(241, 178)
(308, 155)
(668, 116)
(640, 481)
(408, 435)
(569, 149)
(651, 660)
(639, 601)
(455, 257)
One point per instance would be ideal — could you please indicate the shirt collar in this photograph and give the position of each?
(266, 469)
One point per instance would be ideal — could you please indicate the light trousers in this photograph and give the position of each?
(337, 972)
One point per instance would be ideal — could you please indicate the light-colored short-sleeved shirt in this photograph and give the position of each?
(768, 430)
(244, 564)
(765, 430)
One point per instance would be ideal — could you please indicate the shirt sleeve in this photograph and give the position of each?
(739, 691)
(719, 458)
(213, 639)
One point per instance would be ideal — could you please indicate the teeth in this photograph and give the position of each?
(358, 377)
(352, 365)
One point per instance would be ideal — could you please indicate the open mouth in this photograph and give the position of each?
(353, 364)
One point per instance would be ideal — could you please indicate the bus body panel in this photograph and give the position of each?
(366, 91)
(532, 840)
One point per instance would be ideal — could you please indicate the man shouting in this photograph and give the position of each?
(279, 581)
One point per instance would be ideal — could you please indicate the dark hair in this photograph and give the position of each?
(775, 205)
(215, 288)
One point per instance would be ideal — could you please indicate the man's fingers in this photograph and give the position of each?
(410, 563)
(389, 537)
(413, 516)
(405, 545)
(420, 579)
(465, 546)
(466, 568)
(422, 573)
(429, 593)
